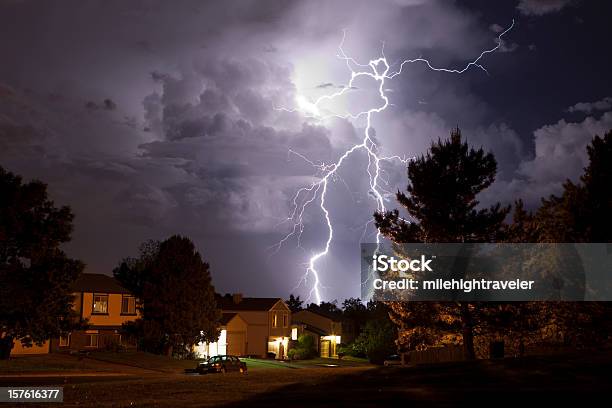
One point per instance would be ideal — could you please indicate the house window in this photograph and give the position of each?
(294, 335)
(100, 304)
(64, 341)
(285, 320)
(275, 320)
(128, 305)
(91, 340)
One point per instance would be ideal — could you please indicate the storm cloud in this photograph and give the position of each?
(151, 118)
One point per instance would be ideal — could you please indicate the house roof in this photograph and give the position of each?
(330, 316)
(227, 317)
(314, 330)
(97, 282)
(247, 303)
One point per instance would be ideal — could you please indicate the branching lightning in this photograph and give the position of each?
(380, 71)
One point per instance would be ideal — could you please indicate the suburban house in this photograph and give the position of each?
(326, 330)
(251, 327)
(106, 305)
(232, 340)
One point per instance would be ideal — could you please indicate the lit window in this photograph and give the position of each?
(64, 341)
(294, 333)
(285, 320)
(128, 305)
(275, 320)
(100, 304)
(92, 340)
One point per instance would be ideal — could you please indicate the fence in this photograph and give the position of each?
(434, 355)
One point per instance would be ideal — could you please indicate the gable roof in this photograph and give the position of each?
(99, 283)
(247, 303)
(227, 317)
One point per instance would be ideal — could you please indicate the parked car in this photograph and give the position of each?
(222, 364)
(393, 360)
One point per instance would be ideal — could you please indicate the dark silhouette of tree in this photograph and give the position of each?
(294, 303)
(36, 276)
(355, 312)
(442, 202)
(326, 308)
(581, 213)
(177, 298)
(133, 272)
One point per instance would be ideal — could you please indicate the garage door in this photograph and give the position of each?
(236, 343)
(325, 348)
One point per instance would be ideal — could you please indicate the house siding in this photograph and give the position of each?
(19, 349)
(330, 334)
(107, 326)
(260, 327)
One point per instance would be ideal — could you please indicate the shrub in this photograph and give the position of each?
(354, 350)
(295, 354)
(377, 341)
(305, 348)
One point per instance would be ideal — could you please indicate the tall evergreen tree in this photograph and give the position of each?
(177, 299)
(442, 202)
(36, 276)
(581, 213)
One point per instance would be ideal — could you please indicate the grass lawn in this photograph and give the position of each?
(333, 362)
(257, 364)
(48, 362)
(193, 391)
(543, 381)
(560, 380)
(144, 360)
(98, 361)
(253, 363)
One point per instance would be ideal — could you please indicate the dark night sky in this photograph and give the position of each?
(188, 140)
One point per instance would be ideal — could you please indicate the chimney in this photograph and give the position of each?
(237, 298)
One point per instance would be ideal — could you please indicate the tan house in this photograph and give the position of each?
(106, 305)
(326, 330)
(251, 327)
(232, 340)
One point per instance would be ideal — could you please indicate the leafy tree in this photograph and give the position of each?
(377, 340)
(177, 298)
(36, 276)
(442, 202)
(294, 303)
(326, 308)
(423, 324)
(133, 272)
(354, 311)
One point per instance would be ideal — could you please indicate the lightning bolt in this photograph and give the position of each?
(380, 71)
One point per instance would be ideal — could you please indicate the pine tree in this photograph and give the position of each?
(442, 202)
(581, 213)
